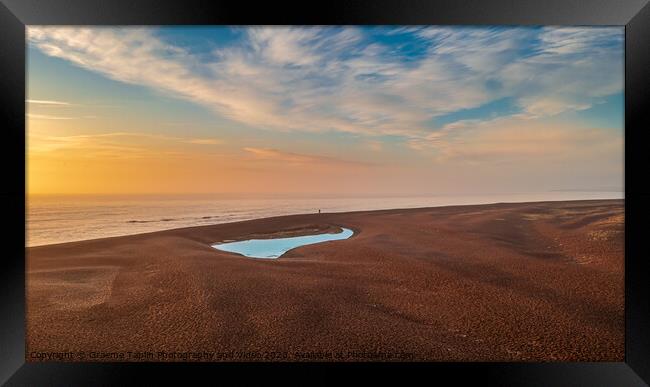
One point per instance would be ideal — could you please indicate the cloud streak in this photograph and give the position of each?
(269, 154)
(47, 102)
(114, 144)
(48, 117)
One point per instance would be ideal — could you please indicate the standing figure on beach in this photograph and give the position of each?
(319, 210)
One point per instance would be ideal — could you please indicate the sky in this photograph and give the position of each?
(324, 110)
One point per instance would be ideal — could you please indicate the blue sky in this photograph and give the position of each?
(399, 47)
(417, 97)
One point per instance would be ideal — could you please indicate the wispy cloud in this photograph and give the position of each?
(520, 141)
(113, 144)
(47, 103)
(203, 141)
(336, 79)
(269, 154)
(48, 117)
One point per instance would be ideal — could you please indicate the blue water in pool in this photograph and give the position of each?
(274, 248)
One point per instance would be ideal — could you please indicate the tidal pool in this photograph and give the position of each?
(274, 248)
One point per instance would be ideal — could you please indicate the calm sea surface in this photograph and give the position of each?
(56, 219)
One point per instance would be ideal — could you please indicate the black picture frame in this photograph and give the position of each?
(633, 14)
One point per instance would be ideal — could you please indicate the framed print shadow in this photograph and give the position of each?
(449, 187)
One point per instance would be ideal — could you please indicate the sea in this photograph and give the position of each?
(54, 219)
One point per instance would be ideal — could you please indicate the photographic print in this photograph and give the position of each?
(349, 193)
